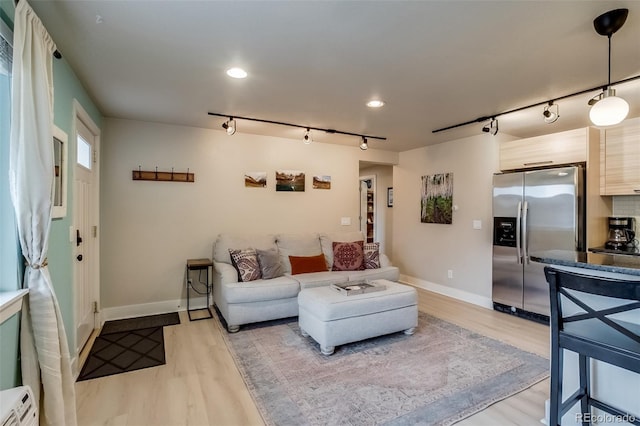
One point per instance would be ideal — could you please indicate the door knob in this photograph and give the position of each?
(78, 238)
(79, 257)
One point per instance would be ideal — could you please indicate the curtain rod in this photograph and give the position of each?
(281, 123)
(56, 54)
(489, 117)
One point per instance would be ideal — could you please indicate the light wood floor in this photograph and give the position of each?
(200, 385)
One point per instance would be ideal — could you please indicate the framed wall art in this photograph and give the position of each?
(436, 204)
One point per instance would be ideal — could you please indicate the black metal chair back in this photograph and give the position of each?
(598, 318)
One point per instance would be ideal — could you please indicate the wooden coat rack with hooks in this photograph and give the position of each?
(155, 175)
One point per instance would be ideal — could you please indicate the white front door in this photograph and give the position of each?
(85, 232)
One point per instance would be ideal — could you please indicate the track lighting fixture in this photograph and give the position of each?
(491, 127)
(364, 145)
(551, 113)
(608, 109)
(230, 126)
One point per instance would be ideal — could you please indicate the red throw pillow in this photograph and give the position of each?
(305, 264)
(348, 256)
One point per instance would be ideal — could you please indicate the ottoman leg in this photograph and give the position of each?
(233, 328)
(327, 350)
(304, 333)
(410, 331)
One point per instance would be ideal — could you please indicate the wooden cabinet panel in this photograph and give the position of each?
(622, 159)
(546, 150)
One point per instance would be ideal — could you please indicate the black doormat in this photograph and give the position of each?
(128, 345)
(138, 323)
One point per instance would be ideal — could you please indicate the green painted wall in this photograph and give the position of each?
(67, 87)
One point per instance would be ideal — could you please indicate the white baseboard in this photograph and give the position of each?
(153, 308)
(455, 293)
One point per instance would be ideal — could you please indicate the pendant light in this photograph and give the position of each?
(609, 109)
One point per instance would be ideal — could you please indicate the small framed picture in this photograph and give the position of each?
(390, 197)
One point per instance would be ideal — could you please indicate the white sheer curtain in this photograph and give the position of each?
(43, 342)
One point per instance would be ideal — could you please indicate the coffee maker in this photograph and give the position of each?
(621, 233)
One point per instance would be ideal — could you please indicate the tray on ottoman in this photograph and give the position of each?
(351, 288)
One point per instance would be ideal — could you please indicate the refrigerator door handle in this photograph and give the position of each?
(518, 227)
(525, 242)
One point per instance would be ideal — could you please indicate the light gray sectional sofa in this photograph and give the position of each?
(267, 299)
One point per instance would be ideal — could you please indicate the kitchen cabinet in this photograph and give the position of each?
(544, 151)
(620, 159)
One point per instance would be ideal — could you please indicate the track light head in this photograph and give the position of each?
(551, 113)
(307, 137)
(491, 127)
(230, 126)
(364, 145)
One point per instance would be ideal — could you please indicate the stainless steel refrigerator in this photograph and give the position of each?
(533, 211)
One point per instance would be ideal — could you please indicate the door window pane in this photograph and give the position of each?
(84, 153)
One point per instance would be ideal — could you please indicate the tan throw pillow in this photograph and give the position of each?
(270, 265)
(348, 256)
(306, 264)
(246, 263)
(372, 255)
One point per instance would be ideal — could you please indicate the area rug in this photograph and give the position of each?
(128, 345)
(438, 376)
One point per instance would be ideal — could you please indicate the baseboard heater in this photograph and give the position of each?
(512, 310)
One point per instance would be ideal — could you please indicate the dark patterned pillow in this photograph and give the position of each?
(348, 256)
(246, 263)
(372, 256)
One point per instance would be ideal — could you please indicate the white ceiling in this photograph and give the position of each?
(316, 63)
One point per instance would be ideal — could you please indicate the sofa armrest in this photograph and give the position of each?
(226, 273)
(384, 261)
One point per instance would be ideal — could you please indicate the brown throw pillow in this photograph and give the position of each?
(305, 264)
(348, 256)
(246, 263)
(372, 256)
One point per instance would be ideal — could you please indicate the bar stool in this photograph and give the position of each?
(594, 333)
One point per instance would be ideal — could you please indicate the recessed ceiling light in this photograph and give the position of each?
(375, 103)
(236, 73)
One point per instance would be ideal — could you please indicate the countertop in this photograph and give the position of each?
(620, 264)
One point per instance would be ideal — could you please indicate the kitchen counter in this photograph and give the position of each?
(620, 264)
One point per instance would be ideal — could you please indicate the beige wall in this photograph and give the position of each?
(149, 229)
(425, 252)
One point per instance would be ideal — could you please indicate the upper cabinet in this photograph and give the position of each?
(545, 151)
(620, 159)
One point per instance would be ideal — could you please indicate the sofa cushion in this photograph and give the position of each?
(371, 255)
(246, 263)
(270, 265)
(297, 245)
(224, 242)
(306, 264)
(348, 256)
(261, 290)
(321, 279)
(327, 239)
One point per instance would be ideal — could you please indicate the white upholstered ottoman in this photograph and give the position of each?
(333, 319)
